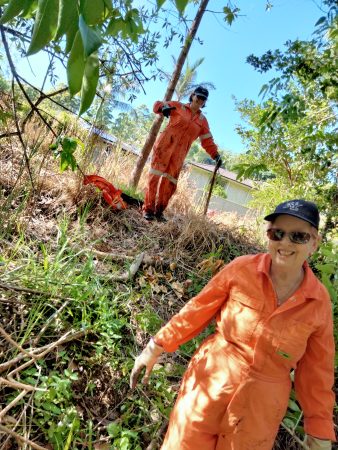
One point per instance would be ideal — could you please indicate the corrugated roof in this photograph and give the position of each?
(223, 172)
(110, 138)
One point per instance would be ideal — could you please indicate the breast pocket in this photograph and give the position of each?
(290, 346)
(242, 316)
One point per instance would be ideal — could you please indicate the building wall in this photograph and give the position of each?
(238, 195)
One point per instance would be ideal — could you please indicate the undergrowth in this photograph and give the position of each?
(76, 327)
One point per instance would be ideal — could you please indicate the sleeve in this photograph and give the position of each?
(314, 378)
(197, 313)
(159, 104)
(207, 141)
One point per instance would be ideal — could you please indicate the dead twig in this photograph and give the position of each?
(21, 438)
(49, 321)
(12, 403)
(131, 272)
(10, 287)
(15, 344)
(17, 79)
(44, 350)
(295, 437)
(17, 385)
(110, 255)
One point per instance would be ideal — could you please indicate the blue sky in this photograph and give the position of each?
(225, 50)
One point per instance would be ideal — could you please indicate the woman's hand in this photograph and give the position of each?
(146, 359)
(317, 444)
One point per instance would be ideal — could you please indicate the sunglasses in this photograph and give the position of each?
(297, 237)
(200, 97)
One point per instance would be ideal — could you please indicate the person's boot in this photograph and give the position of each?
(160, 217)
(149, 216)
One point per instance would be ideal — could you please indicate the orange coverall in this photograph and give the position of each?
(170, 150)
(235, 391)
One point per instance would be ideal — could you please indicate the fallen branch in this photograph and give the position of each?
(11, 404)
(44, 350)
(131, 272)
(10, 287)
(17, 385)
(15, 344)
(11, 300)
(110, 255)
(21, 438)
(147, 259)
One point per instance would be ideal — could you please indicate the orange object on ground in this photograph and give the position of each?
(170, 150)
(109, 192)
(235, 391)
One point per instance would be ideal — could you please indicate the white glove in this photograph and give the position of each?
(146, 359)
(317, 444)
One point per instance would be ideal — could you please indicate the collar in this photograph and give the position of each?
(311, 287)
(187, 105)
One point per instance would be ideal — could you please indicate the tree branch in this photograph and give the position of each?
(17, 79)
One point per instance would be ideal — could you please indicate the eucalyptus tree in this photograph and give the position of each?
(292, 135)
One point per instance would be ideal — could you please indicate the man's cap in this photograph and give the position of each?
(201, 92)
(302, 209)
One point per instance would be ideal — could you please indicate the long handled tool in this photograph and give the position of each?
(211, 186)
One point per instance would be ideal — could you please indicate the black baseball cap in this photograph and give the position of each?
(202, 92)
(302, 209)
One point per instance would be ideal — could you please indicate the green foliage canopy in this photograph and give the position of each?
(292, 135)
(82, 32)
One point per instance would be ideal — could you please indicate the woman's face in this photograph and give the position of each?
(197, 102)
(286, 254)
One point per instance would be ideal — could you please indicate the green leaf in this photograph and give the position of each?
(113, 429)
(89, 83)
(108, 4)
(69, 144)
(76, 65)
(29, 9)
(160, 3)
(67, 158)
(90, 38)
(92, 12)
(264, 90)
(320, 21)
(115, 26)
(70, 36)
(68, 17)
(230, 14)
(288, 422)
(293, 406)
(48, 406)
(45, 25)
(181, 4)
(12, 10)
(133, 25)
(327, 268)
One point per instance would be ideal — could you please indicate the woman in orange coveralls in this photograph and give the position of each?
(272, 315)
(186, 124)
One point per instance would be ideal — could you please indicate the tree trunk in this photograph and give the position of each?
(168, 95)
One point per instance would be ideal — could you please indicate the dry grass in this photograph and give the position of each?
(186, 237)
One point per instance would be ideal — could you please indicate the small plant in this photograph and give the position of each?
(64, 148)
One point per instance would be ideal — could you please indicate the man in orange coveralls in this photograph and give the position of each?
(273, 316)
(186, 124)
